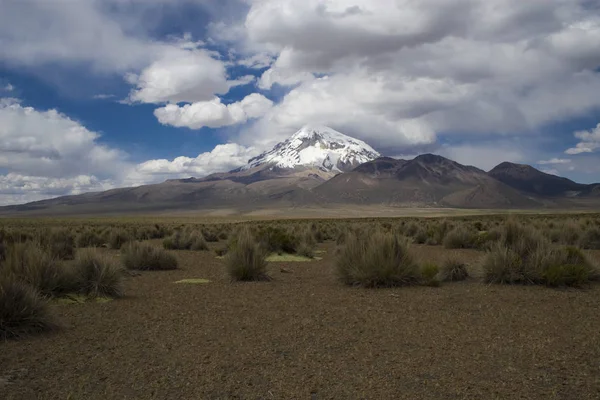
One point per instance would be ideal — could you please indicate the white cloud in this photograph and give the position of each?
(103, 96)
(551, 171)
(8, 88)
(401, 73)
(214, 114)
(590, 141)
(181, 75)
(554, 161)
(45, 153)
(223, 157)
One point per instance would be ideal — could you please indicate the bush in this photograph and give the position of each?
(460, 238)
(185, 240)
(591, 239)
(277, 240)
(525, 256)
(89, 238)
(98, 275)
(23, 310)
(306, 244)
(210, 236)
(60, 243)
(143, 256)
(378, 260)
(429, 274)
(421, 236)
(198, 243)
(118, 237)
(246, 260)
(453, 270)
(35, 266)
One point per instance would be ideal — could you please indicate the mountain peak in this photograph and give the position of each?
(316, 146)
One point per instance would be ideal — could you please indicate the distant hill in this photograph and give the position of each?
(427, 180)
(530, 180)
(319, 167)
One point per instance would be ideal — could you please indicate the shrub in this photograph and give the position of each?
(421, 236)
(306, 244)
(118, 237)
(378, 260)
(210, 236)
(429, 274)
(23, 310)
(60, 243)
(460, 238)
(98, 275)
(277, 240)
(453, 270)
(185, 240)
(89, 238)
(246, 260)
(143, 256)
(524, 256)
(198, 242)
(35, 266)
(591, 239)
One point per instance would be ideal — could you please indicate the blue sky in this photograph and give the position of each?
(98, 94)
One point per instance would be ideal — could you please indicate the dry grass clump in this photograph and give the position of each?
(98, 275)
(89, 238)
(23, 311)
(118, 237)
(185, 240)
(430, 275)
(523, 255)
(32, 264)
(143, 256)
(246, 259)
(306, 244)
(460, 238)
(453, 270)
(277, 239)
(59, 242)
(378, 260)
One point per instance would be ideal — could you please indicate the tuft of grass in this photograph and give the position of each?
(89, 238)
(185, 240)
(379, 260)
(35, 266)
(98, 275)
(430, 274)
(145, 257)
(246, 260)
(118, 237)
(460, 238)
(23, 311)
(524, 256)
(453, 270)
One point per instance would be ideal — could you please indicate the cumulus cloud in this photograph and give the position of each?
(8, 88)
(403, 73)
(181, 75)
(214, 114)
(554, 161)
(590, 141)
(46, 153)
(223, 157)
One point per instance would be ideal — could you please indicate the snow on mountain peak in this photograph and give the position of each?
(318, 147)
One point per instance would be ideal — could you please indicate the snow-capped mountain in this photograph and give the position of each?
(317, 147)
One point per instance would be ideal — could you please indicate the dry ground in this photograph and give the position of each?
(306, 336)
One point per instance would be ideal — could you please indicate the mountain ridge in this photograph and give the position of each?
(320, 167)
